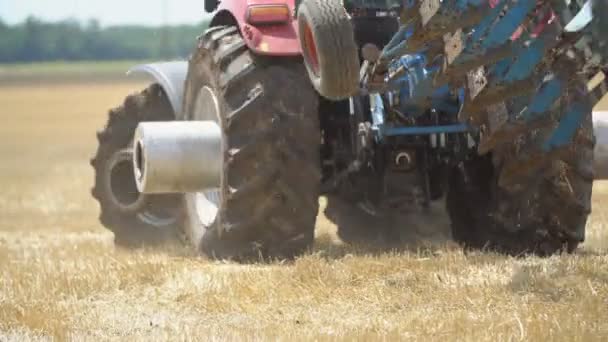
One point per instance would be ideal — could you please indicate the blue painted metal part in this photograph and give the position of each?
(526, 61)
(417, 89)
(504, 29)
(461, 4)
(543, 101)
(565, 131)
(461, 95)
(500, 69)
(409, 3)
(395, 50)
(425, 130)
(420, 85)
(402, 35)
(510, 58)
(377, 110)
(476, 3)
(485, 24)
(418, 92)
(382, 130)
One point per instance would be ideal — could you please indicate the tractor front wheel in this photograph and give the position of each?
(327, 40)
(134, 218)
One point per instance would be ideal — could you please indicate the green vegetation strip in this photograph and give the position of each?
(66, 71)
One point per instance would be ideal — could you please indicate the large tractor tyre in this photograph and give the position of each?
(267, 201)
(530, 191)
(136, 219)
(329, 49)
(546, 215)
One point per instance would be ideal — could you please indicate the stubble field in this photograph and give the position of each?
(62, 278)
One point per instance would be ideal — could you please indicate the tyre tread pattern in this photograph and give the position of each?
(150, 104)
(269, 117)
(336, 48)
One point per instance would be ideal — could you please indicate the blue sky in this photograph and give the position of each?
(108, 12)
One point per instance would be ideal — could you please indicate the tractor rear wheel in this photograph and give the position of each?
(530, 189)
(135, 219)
(543, 215)
(267, 201)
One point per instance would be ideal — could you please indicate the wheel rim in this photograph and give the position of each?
(207, 202)
(126, 197)
(121, 183)
(309, 52)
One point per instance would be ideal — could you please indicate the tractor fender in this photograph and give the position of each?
(171, 76)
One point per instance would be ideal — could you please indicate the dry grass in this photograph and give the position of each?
(62, 278)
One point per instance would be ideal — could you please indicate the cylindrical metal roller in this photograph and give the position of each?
(177, 156)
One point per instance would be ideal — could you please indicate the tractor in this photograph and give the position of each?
(382, 104)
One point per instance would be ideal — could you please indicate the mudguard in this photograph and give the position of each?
(171, 76)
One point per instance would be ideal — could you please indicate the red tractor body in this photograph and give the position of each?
(268, 26)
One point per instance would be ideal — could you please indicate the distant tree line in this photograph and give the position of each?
(35, 40)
